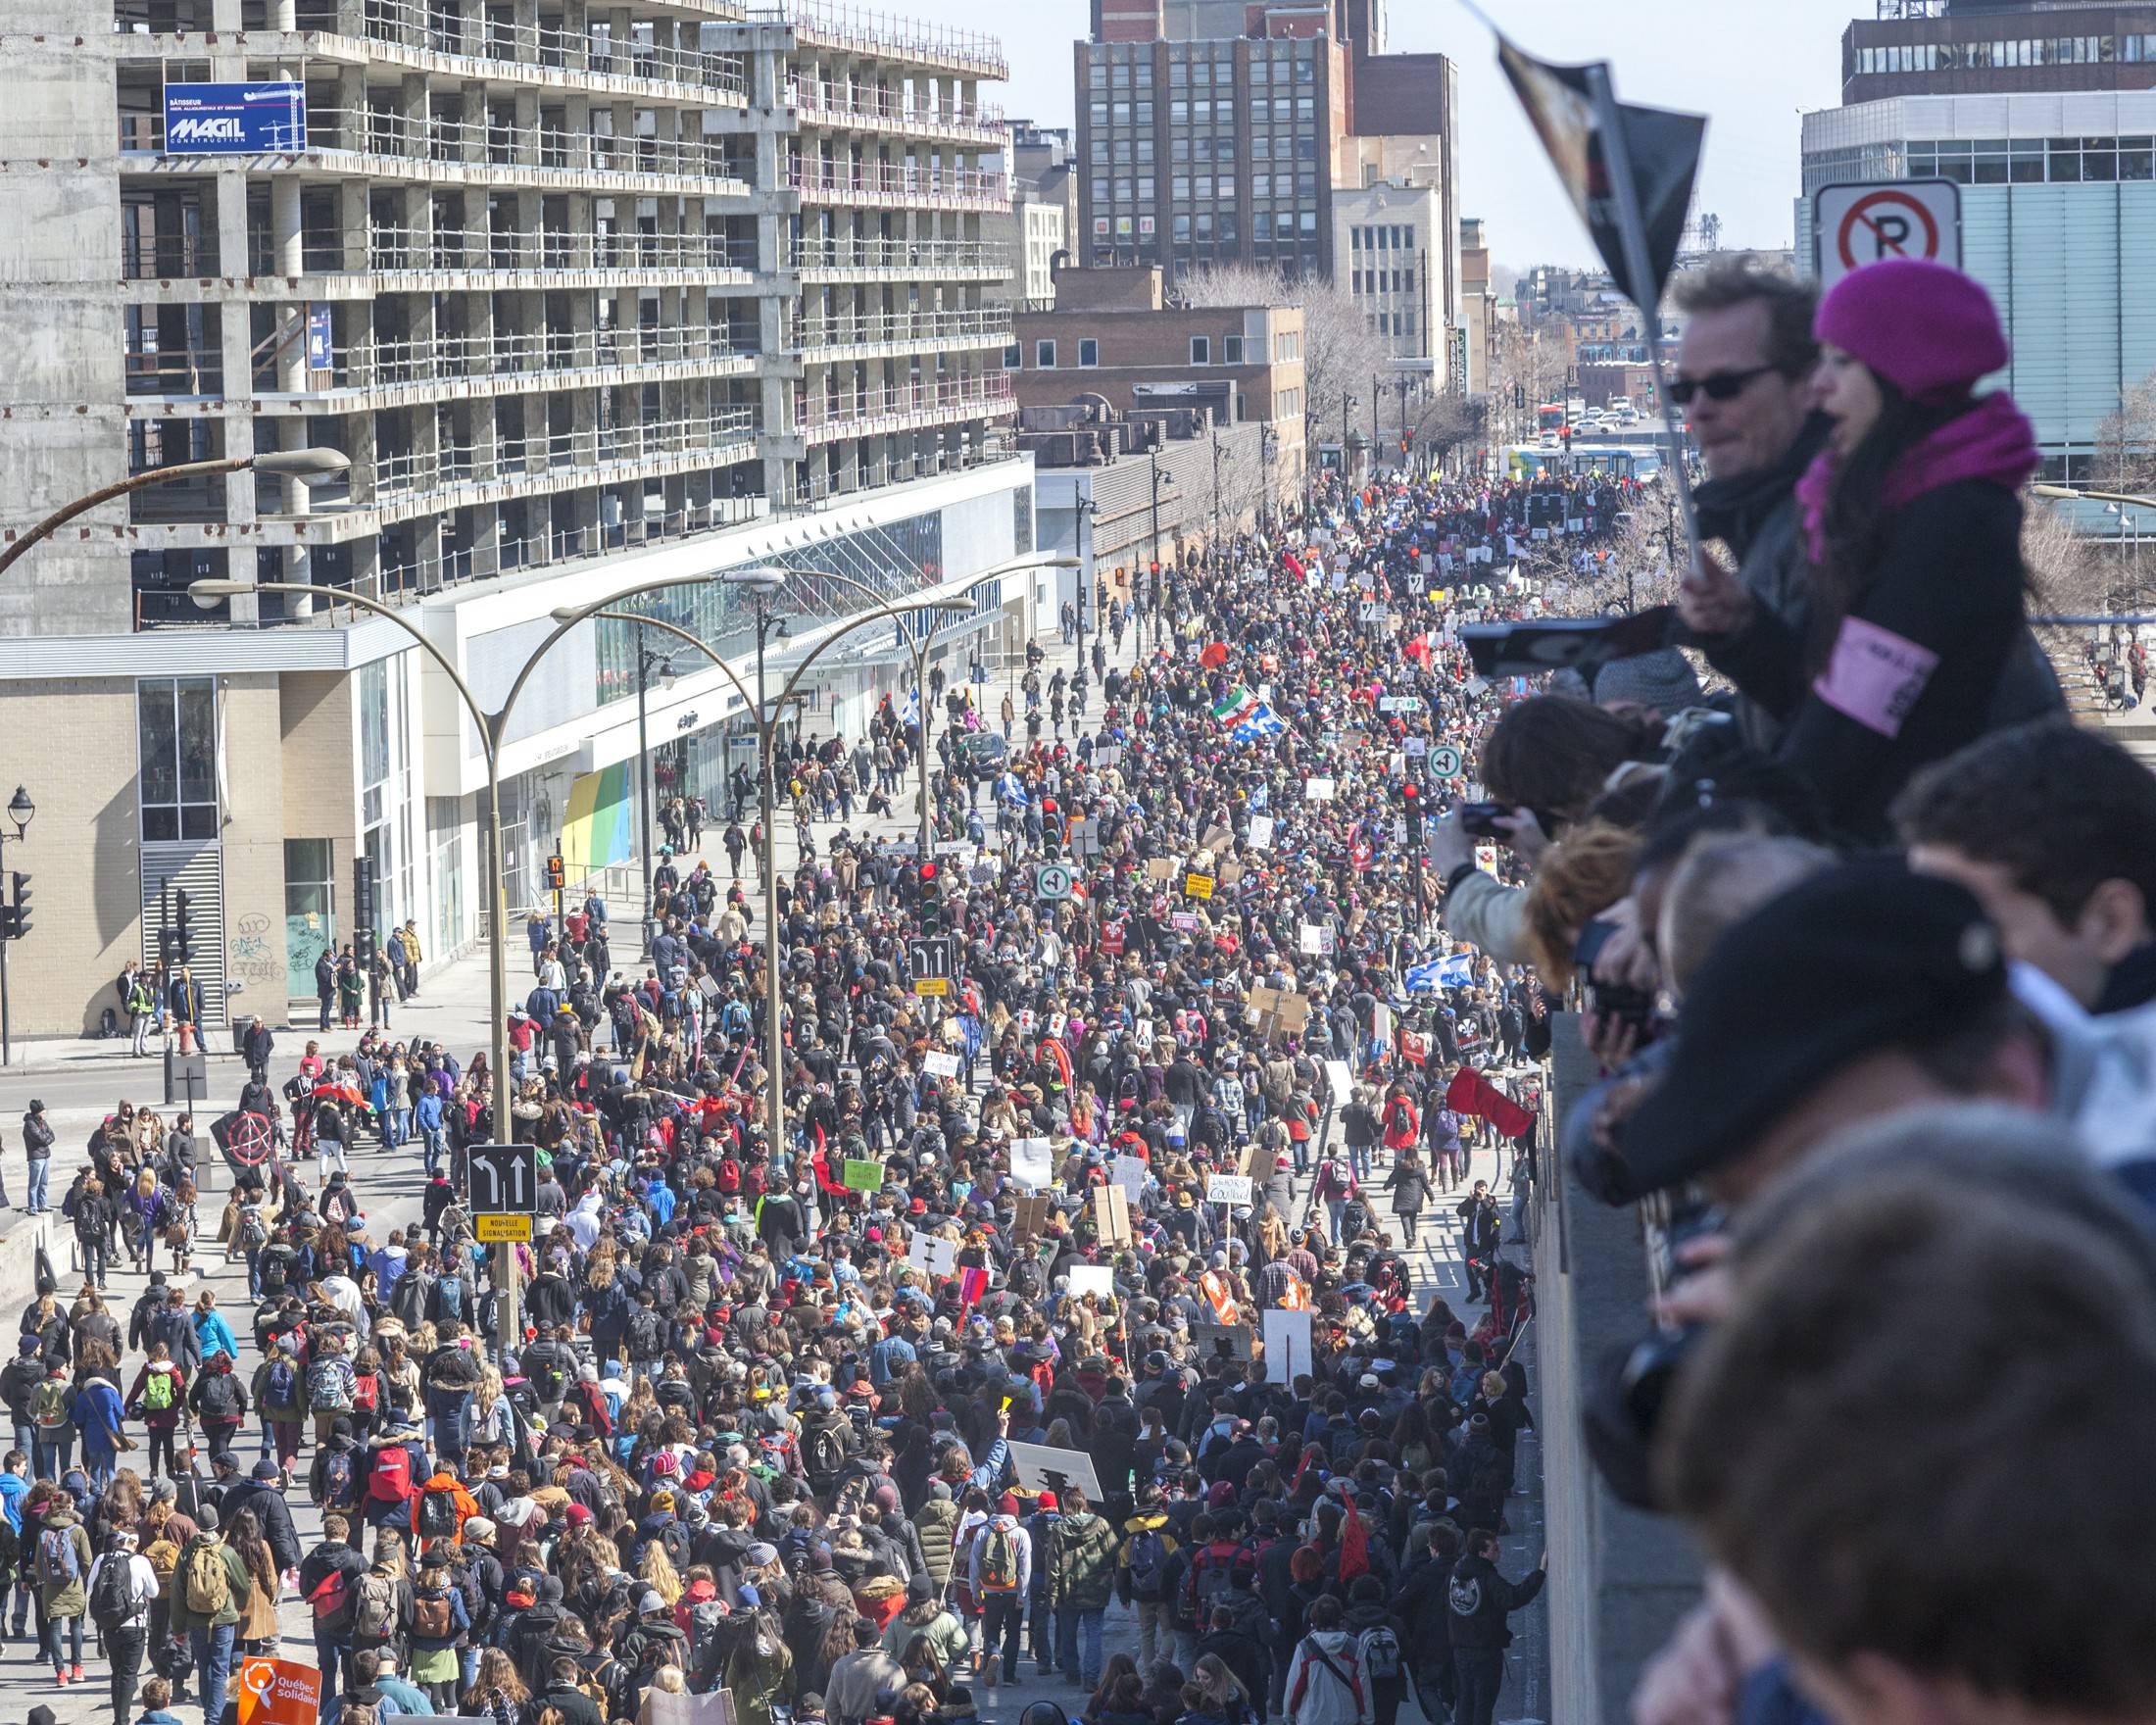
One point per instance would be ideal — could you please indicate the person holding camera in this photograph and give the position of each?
(1480, 1229)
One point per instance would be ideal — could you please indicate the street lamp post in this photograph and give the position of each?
(291, 464)
(647, 662)
(493, 728)
(21, 810)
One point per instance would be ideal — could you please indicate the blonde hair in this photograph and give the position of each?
(1589, 871)
(657, 1571)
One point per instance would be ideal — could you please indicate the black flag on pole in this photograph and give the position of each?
(1662, 145)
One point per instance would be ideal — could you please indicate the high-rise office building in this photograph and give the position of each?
(1214, 131)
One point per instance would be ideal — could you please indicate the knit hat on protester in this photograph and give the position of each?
(1929, 330)
(1662, 680)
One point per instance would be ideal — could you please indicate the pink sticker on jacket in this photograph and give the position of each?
(1875, 675)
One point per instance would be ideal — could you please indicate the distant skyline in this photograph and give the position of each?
(1749, 68)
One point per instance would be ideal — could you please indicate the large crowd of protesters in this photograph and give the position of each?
(855, 1424)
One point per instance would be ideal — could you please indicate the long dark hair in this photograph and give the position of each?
(1858, 518)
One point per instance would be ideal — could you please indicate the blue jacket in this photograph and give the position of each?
(97, 1414)
(14, 1488)
(213, 1334)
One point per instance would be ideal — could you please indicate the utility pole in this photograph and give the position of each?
(644, 780)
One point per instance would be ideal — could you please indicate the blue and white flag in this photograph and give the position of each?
(1011, 788)
(1260, 722)
(1458, 971)
(910, 709)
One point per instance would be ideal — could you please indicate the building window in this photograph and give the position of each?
(1014, 357)
(310, 913)
(1231, 350)
(1043, 354)
(177, 735)
(1201, 350)
(1089, 351)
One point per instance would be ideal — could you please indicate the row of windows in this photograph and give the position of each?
(2025, 51)
(1402, 323)
(2028, 161)
(1287, 403)
(1089, 353)
(1382, 280)
(1207, 224)
(1205, 147)
(1304, 257)
(1205, 188)
(1388, 238)
(1282, 109)
(1124, 70)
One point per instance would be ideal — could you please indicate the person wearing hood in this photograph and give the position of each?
(1381, 1639)
(1911, 520)
(1081, 1582)
(264, 1493)
(59, 1563)
(1480, 1602)
(1001, 1570)
(1326, 1681)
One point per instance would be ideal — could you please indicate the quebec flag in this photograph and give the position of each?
(1458, 971)
(1260, 722)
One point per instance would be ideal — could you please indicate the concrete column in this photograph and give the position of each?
(287, 237)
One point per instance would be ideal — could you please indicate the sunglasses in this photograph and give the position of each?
(1720, 386)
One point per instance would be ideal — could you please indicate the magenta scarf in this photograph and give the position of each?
(1992, 441)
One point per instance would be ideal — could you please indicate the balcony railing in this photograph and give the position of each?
(376, 131)
(897, 183)
(986, 326)
(881, 110)
(822, 491)
(865, 30)
(462, 358)
(178, 372)
(416, 474)
(923, 257)
(487, 250)
(868, 413)
(168, 260)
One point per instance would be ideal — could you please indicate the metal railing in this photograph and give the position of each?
(925, 257)
(384, 132)
(899, 181)
(398, 248)
(982, 326)
(879, 110)
(177, 372)
(460, 359)
(866, 31)
(863, 413)
(820, 491)
(418, 473)
(166, 260)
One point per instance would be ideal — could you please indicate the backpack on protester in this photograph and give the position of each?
(112, 1598)
(205, 1583)
(331, 1597)
(438, 1517)
(328, 1390)
(157, 1393)
(55, 1563)
(826, 1452)
(1000, 1562)
(281, 1386)
(1379, 1648)
(431, 1616)
(366, 1392)
(373, 1606)
(1149, 1562)
(49, 1405)
(339, 1482)
(390, 1482)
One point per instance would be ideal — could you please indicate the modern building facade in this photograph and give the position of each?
(1043, 212)
(1213, 131)
(587, 298)
(2045, 117)
(1392, 241)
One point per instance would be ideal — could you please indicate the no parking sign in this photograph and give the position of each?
(1864, 222)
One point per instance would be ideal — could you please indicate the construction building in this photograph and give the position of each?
(586, 297)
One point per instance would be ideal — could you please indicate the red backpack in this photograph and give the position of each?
(391, 1480)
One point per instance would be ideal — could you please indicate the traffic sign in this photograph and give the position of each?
(932, 987)
(491, 1230)
(502, 1179)
(928, 955)
(1864, 222)
(1444, 761)
(1053, 882)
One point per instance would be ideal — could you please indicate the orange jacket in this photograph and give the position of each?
(444, 1480)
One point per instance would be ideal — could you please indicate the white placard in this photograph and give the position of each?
(1092, 1278)
(1417, 748)
(1261, 832)
(1317, 790)
(1041, 1468)
(1287, 1345)
(1339, 1082)
(1032, 1162)
(1227, 1189)
(1130, 1173)
(1315, 939)
(942, 1065)
(938, 1257)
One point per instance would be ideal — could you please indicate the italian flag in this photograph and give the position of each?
(1239, 706)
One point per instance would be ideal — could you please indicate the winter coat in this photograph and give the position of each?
(64, 1599)
(937, 1527)
(1081, 1567)
(1326, 1684)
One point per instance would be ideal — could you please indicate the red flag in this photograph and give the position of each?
(1295, 566)
(1214, 656)
(972, 1284)
(1470, 1092)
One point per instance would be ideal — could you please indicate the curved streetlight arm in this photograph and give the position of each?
(583, 613)
(882, 613)
(133, 483)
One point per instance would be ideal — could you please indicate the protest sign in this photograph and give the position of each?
(1111, 1216)
(1317, 790)
(1128, 1174)
(863, 1176)
(1092, 1278)
(1261, 832)
(278, 1691)
(942, 1065)
(1041, 1468)
(936, 1256)
(1339, 1082)
(1230, 1189)
(1287, 1345)
(1032, 1162)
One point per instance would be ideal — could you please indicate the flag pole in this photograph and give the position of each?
(1632, 227)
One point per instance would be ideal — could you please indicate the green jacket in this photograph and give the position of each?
(235, 1607)
(1082, 1571)
(67, 1599)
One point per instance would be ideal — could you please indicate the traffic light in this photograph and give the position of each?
(928, 896)
(183, 946)
(1410, 796)
(558, 873)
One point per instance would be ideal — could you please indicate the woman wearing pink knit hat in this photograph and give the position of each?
(1912, 516)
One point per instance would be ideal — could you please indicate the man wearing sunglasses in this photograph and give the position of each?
(1743, 379)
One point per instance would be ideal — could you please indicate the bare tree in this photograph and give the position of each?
(2126, 441)
(1445, 422)
(1340, 349)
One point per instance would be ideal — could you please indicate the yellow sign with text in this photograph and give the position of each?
(1198, 886)
(496, 1229)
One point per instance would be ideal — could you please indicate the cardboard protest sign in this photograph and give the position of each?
(1261, 832)
(863, 1176)
(1111, 1216)
(1230, 1189)
(1030, 1215)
